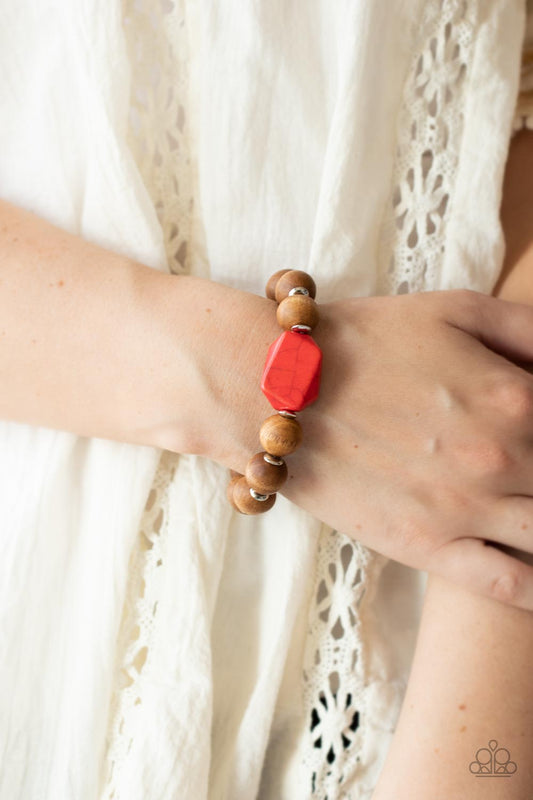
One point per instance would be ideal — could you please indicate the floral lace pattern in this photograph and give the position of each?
(137, 627)
(158, 47)
(429, 131)
(334, 663)
(157, 135)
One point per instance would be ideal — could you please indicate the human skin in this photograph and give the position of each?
(420, 442)
(470, 681)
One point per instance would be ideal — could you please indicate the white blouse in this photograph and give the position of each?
(154, 644)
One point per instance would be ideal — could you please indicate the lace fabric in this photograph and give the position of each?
(137, 627)
(157, 41)
(173, 633)
(428, 135)
(334, 669)
(429, 129)
(412, 241)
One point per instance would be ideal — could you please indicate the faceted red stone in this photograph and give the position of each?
(291, 377)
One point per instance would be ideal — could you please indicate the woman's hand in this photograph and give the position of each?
(480, 686)
(421, 442)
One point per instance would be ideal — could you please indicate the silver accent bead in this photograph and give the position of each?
(301, 328)
(260, 497)
(290, 414)
(274, 460)
(299, 290)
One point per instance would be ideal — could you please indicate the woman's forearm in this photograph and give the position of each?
(97, 344)
(470, 682)
(66, 314)
(100, 345)
(470, 685)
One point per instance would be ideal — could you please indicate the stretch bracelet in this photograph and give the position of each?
(291, 381)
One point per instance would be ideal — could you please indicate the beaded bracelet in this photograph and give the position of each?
(291, 381)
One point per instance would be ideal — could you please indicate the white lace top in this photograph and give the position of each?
(155, 644)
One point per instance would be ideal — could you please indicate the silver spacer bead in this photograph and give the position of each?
(290, 414)
(299, 290)
(260, 497)
(301, 328)
(274, 460)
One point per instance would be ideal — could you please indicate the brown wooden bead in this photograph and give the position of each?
(270, 290)
(297, 310)
(234, 474)
(291, 279)
(243, 501)
(279, 435)
(264, 477)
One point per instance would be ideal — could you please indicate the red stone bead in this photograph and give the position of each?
(291, 377)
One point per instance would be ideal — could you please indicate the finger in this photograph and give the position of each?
(486, 570)
(502, 325)
(510, 522)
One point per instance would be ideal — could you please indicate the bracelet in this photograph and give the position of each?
(291, 381)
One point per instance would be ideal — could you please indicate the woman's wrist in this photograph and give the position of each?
(458, 701)
(98, 344)
(207, 351)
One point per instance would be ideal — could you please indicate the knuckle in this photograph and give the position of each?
(514, 398)
(494, 458)
(485, 456)
(454, 499)
(507, 588)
